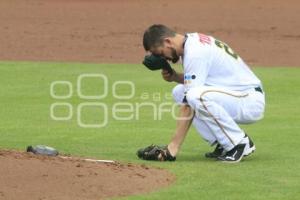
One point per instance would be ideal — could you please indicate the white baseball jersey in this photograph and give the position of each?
(220, 88)
(210, 62)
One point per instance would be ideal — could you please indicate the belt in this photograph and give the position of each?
(258, 89)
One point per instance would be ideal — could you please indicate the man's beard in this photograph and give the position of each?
(175, 57)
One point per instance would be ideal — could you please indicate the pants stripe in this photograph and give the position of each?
(214, 118)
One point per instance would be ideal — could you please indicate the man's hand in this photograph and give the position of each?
(170, 77)
(167, 76)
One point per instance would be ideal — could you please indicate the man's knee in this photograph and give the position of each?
(178, 93)
(195, 97)
(252, 114)
(198, 94)
(202, 101)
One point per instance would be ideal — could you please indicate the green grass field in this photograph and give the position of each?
(272, 172)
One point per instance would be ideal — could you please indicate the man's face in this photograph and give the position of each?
(166, 51)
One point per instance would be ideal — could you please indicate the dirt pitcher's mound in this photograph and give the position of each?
(27, 176)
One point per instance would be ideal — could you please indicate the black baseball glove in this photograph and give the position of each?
(155, 152)
(154, 62)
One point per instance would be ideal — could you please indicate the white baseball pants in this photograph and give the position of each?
(218, 112)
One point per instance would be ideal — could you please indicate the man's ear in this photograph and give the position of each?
(168, 41)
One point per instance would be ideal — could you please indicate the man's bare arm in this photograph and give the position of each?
(179, 78)
(183, 124)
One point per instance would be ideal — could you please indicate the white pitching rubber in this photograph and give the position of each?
(89, 160)
(101, 161)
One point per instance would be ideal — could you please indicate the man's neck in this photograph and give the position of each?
(179, 41)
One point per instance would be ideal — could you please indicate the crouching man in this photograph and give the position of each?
(217, 91)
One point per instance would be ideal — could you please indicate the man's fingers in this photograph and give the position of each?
(167, 76)
(165, 72)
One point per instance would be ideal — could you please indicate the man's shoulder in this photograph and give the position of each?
(197, 46)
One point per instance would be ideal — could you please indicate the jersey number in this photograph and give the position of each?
(227, 49)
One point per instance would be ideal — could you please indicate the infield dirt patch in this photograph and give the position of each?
(265, 33)
(30, 177)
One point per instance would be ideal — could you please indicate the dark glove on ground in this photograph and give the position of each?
(155, 152)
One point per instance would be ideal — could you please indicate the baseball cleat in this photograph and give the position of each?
(250, 147)
(216, 153)
(234, 155)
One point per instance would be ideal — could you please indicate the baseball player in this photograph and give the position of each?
(217, 91)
